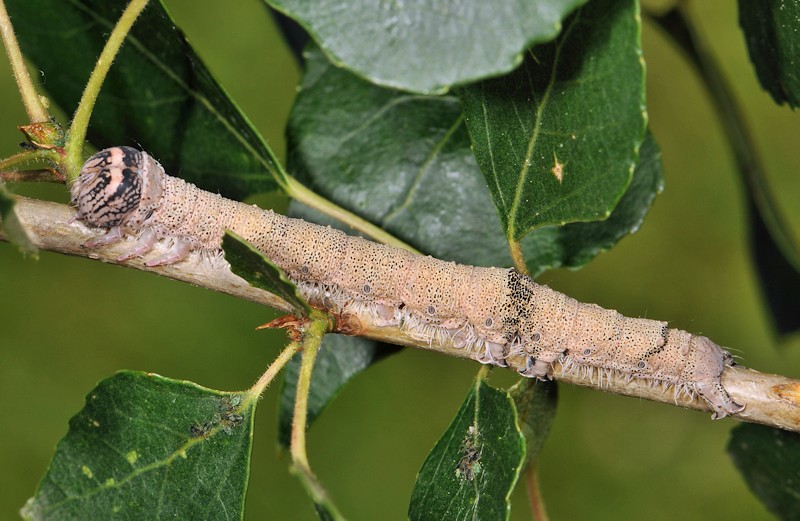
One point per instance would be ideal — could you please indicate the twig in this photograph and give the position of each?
(535, 494)
(770, 399)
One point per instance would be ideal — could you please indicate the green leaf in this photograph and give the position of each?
(574, 245)
(158, 93)
(769, 460)
(558, 139)
(147, 447)
(771, 30)
(339, 360)
(345, 135)
(535, 402)
(260, 272)
(12, 227)
(779, 278)
(472, 469)
(423, 47)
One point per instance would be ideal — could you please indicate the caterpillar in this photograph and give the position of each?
(495, 313)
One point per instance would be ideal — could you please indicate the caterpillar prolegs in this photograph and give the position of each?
(493, 312)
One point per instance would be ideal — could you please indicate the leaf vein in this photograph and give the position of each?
(542, 105)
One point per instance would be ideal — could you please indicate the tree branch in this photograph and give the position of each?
(770, 399)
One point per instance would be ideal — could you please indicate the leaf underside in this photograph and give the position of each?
(770, 31)
(779, 278)
(769, 460)
(420, 47)
(253, 266)
(535, 402)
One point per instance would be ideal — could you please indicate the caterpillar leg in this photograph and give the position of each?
(494, 353)
(143, 244)
(179, 251)
(384, 315)
(536, 368)
(112, 236)
(719, 400)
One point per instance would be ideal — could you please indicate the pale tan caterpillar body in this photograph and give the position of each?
(494, 312)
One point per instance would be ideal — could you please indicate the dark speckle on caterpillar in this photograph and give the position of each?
(492, 312)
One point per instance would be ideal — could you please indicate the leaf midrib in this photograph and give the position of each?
(511, 232)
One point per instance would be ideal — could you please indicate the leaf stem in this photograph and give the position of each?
(312, 340)
(29, 156)
(80, 122)
(272, 371)
(517, 256)
(37, 113)
(538, 510)
(677, 25)
(303, 194)
(317, 493)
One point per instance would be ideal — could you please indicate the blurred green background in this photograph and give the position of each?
(66, 323)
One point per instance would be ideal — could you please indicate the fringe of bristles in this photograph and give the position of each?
(335, 299)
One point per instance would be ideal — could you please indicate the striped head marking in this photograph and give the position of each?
(116, 186)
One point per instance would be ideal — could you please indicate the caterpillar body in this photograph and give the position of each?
(493, 312)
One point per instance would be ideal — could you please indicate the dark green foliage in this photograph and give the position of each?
(147, 447)
(769, 459)
(473, 468)
(770, 29)
(259, 271)
(158, 96)
(420, 47)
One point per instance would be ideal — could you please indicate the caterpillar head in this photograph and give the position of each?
(117, 186)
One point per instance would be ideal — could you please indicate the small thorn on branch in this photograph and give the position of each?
(293, 325)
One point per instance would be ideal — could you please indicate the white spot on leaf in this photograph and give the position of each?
(558, 169)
